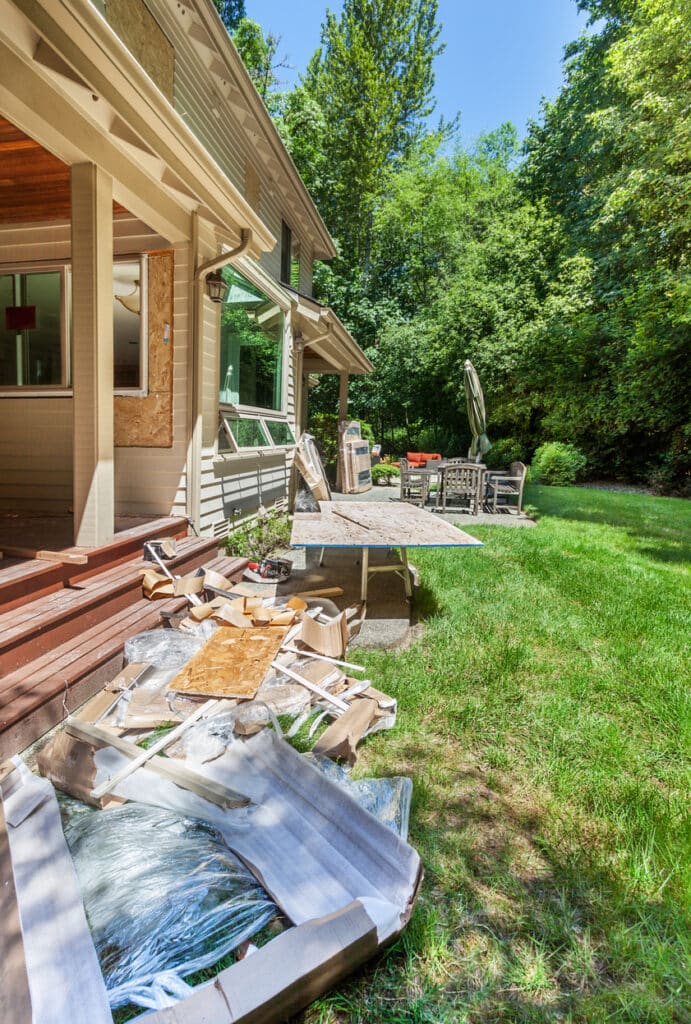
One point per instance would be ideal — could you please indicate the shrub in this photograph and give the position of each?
(557, 464)
(260, 537)
(503, 452)
(383, 471)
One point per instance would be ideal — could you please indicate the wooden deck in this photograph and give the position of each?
(63, 626)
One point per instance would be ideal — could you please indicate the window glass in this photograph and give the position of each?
(280, 432)
(129, 315)
(30, 329)
(251, 346)
(248, 433)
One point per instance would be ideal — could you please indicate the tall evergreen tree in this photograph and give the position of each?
(372, 80)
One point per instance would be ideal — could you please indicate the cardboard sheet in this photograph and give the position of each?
(339, 741)
(65, 980)
(232, 662)
(329, 639)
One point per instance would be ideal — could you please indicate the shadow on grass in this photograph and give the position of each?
(512, 926)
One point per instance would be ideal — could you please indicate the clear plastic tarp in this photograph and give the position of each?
(163, 895)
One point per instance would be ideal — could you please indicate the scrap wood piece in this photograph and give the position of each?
(324, 694)
(65, 980)
(155, 748)
(66, 557)
(149, 709)
(69, 764)
(329, 639)
(340, 739)
(15, 998)
(96, 738)
(232, 662)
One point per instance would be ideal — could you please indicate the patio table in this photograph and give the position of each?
(368, 526)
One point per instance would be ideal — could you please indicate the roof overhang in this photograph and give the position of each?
(328, 346)
(69, 83)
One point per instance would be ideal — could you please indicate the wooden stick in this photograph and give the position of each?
(155, 748)
(168, 768)
(320, 592)
(324, 694)
(323, 657)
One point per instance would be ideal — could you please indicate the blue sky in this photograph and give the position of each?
(501, 56)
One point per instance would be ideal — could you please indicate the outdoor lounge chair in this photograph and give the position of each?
(414, 484)
(463, 480)
(507, 486)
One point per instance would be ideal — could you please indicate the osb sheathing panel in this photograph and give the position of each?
(145, 39)
(147, 421)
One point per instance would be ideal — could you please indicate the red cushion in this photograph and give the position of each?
(429, 457)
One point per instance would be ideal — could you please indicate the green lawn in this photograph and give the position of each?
(543, 717)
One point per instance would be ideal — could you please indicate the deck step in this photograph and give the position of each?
(28, 631)
(32, 578)
(39, 694)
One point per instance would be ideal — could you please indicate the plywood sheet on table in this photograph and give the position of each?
(232, 663)
(366, 524)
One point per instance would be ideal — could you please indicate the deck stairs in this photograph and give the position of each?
(63, 626)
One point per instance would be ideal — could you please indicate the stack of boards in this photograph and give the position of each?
(355, 458)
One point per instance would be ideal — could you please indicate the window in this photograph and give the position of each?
(32, 329)
(290, 258)
(130, 325)
(243, 433)
(251, 346)
(35, 327)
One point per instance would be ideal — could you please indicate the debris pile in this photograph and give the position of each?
(193, 823)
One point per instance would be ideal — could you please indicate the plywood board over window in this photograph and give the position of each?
(146, 421)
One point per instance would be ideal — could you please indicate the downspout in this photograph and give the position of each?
(197, 399)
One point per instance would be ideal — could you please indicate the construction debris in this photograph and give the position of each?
(221, 777)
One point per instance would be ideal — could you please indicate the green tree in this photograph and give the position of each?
(612, 158)
(372, 80)
(231, 12)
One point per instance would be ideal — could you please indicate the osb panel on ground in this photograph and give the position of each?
(232, 663)
(147, 421)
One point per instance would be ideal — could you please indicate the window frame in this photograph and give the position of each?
(65, 388)
(143, 390)
(259, 279)
(229, 414)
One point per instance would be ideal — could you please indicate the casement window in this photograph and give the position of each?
(35, 325)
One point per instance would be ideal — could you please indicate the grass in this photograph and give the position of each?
(544, 719)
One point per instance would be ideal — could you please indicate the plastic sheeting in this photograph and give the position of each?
(387, 799)
(163, 895)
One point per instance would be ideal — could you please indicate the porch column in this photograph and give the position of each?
(342, 414)
(93, 490)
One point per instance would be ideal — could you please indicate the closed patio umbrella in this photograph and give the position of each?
(476, 412)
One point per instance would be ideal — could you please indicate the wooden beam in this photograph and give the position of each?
(92, 355)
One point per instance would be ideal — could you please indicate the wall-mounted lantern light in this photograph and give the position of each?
(216, 286)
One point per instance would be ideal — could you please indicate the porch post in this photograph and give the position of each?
(342, 414)
(93, 489)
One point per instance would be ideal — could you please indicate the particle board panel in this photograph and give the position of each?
(147, 421)
(232, 663)
(366, 524)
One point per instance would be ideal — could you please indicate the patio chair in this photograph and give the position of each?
(414, 484)
(462, 480)
(507, 486)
